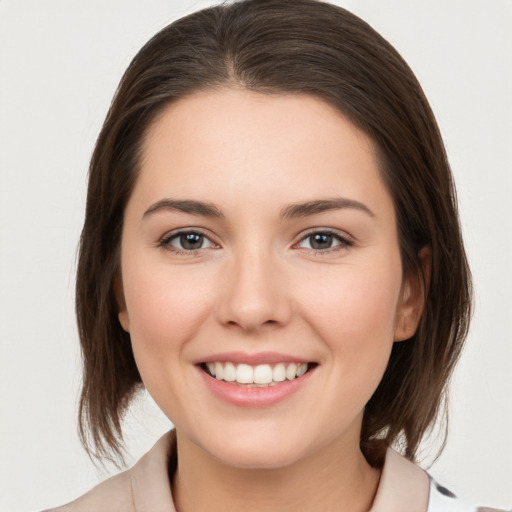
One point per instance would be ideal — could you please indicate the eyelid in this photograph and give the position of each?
(164, 241)
(344, 238)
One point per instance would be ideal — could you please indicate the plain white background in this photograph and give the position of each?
(60, 62)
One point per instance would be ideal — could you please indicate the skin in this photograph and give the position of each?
(257, 285)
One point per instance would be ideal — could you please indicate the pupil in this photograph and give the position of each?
(191, 241)
(321, 241)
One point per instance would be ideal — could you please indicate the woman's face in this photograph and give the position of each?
(260, 242)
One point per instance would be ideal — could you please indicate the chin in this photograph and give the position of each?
(255, 449)
(258, 457)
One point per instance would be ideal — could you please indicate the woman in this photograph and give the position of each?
(272, 249)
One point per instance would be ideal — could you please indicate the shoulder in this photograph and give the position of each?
(405, 487)
(144, 487)
(112, 494)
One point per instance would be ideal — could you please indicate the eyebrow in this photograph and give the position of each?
(185, 206)
(292, 211)
(317, 206)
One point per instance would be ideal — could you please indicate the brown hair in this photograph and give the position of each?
(281, 46)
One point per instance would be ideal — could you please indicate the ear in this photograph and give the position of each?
(412, 302)
(124, 319)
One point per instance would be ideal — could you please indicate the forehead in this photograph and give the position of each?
(239, 141)
(210, 115)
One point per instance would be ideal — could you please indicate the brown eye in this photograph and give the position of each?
(323, 241)
(188, 241)
(191, 241)
(320, 241)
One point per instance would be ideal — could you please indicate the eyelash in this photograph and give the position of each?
(344, 242)
(165, 242)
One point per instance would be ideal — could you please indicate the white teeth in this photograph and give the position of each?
(260, 375)
(279, 373)
(291, 371)
(219, 371)
(301, 370)
(229, 372)
(244, 374)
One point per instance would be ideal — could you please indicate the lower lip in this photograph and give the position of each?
(254, 397)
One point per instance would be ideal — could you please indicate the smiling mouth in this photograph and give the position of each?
(262, 375)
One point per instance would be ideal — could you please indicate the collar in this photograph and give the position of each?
(150, 486)
(403, 487)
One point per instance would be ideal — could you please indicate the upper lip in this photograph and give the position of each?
(253, 359)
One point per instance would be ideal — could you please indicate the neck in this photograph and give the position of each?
(336, 478)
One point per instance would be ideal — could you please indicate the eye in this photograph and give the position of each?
(323, 241)
(186, 241)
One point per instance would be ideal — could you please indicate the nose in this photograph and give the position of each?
(254, 293)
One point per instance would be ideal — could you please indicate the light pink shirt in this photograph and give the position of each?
(403, 487)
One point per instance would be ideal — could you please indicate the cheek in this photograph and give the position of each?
(355, 320)
(355, 317)
(356, 302)
(164, 309)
